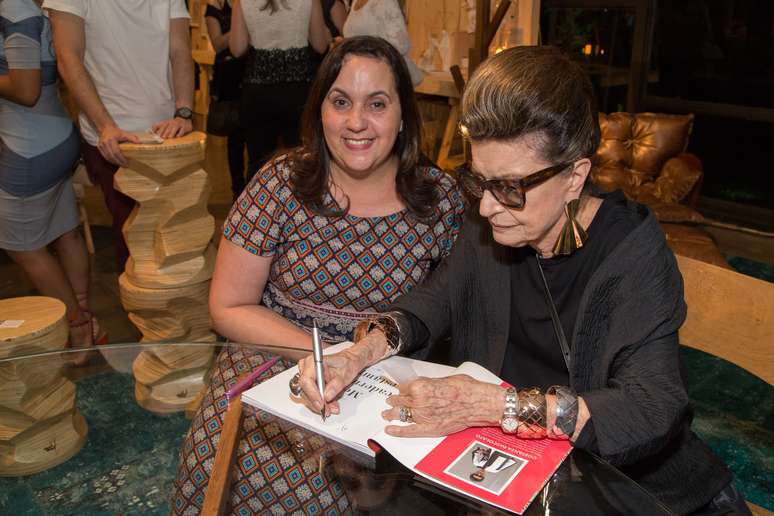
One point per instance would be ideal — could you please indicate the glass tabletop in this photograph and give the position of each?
(100, 432)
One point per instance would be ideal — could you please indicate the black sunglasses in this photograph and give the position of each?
(508, 192)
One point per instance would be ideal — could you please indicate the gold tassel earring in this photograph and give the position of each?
(573, 236)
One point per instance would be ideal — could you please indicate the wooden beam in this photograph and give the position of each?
(494, 24)
(480, 50)
(730, 315)
(219, 487)
(486, 28)
(459, 80)
(644, 22)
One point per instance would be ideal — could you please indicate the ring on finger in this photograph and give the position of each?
(405, 415)
(295, 386)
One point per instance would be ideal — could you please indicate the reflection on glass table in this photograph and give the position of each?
(78, 440)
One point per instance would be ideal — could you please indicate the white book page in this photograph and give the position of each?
(361, 405)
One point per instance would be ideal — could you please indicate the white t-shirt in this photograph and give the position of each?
(127, 56)
(383, 19)
(286, 28)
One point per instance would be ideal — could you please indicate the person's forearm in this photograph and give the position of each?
(370, 349)
(217, 38)
(319, 35)
(25, 95)
(183, 76)
(81, 87)
(220, 42)
(254, 324)
(239, 38)
(6, 88)
(338, 14)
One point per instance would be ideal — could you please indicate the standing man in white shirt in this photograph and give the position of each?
(128, 65)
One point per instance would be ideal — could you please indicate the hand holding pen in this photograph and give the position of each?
(318, 365)
(339, 371)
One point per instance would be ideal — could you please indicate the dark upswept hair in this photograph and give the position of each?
(311, 161)
(524, 90)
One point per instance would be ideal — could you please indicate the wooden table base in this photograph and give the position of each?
(165, 286)
(40, 426)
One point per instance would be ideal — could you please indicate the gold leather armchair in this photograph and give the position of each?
(644, 155)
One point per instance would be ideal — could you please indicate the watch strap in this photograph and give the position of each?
(184, 113)
(511, 401)
(509, 421)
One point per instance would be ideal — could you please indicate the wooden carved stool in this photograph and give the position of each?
(40, 426)
(165, 286)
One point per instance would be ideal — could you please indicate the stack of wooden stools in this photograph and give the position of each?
(166, 283)
(40, 425)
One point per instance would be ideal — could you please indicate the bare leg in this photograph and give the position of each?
(74, 260)
(50, 280)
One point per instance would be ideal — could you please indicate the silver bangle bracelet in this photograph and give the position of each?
(566, 408)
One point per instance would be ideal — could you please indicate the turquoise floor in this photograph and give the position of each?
(140, 458)
(734, 415)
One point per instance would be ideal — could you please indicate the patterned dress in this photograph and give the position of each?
(337, 270)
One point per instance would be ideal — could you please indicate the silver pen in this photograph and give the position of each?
(318, 364)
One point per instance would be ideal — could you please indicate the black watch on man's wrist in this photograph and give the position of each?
(184, 113)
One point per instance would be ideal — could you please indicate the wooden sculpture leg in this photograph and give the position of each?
(166, 283)
(40, 426)
(168, 382)
(177, 314)
(168, 377)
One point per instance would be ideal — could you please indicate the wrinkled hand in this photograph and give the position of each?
(339, 370)
(443, 406)
(173, 128)
(109, 139)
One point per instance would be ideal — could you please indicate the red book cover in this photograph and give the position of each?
(495, 467)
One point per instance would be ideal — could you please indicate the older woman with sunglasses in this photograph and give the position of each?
(572, 298)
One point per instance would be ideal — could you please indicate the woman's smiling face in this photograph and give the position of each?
(361, 117)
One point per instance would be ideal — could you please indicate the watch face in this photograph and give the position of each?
(184, 113)
(509, 425)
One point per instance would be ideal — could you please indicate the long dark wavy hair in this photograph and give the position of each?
(311, 161)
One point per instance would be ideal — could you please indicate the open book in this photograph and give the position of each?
(483, 462)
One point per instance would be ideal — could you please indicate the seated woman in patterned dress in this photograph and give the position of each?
(333, 231)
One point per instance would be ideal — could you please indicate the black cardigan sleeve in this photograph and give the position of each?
(430, 303)
(628, 368)
(643, 407)
(427, 309)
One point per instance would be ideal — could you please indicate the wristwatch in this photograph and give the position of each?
(184, 113)
(510, 422)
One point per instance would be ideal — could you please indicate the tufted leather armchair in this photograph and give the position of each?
(644, 155)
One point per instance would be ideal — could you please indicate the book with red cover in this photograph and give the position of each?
(481, 462)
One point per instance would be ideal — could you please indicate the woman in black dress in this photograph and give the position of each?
(227, 86)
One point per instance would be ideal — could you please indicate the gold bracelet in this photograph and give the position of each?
(388, 325)
(532, 412)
